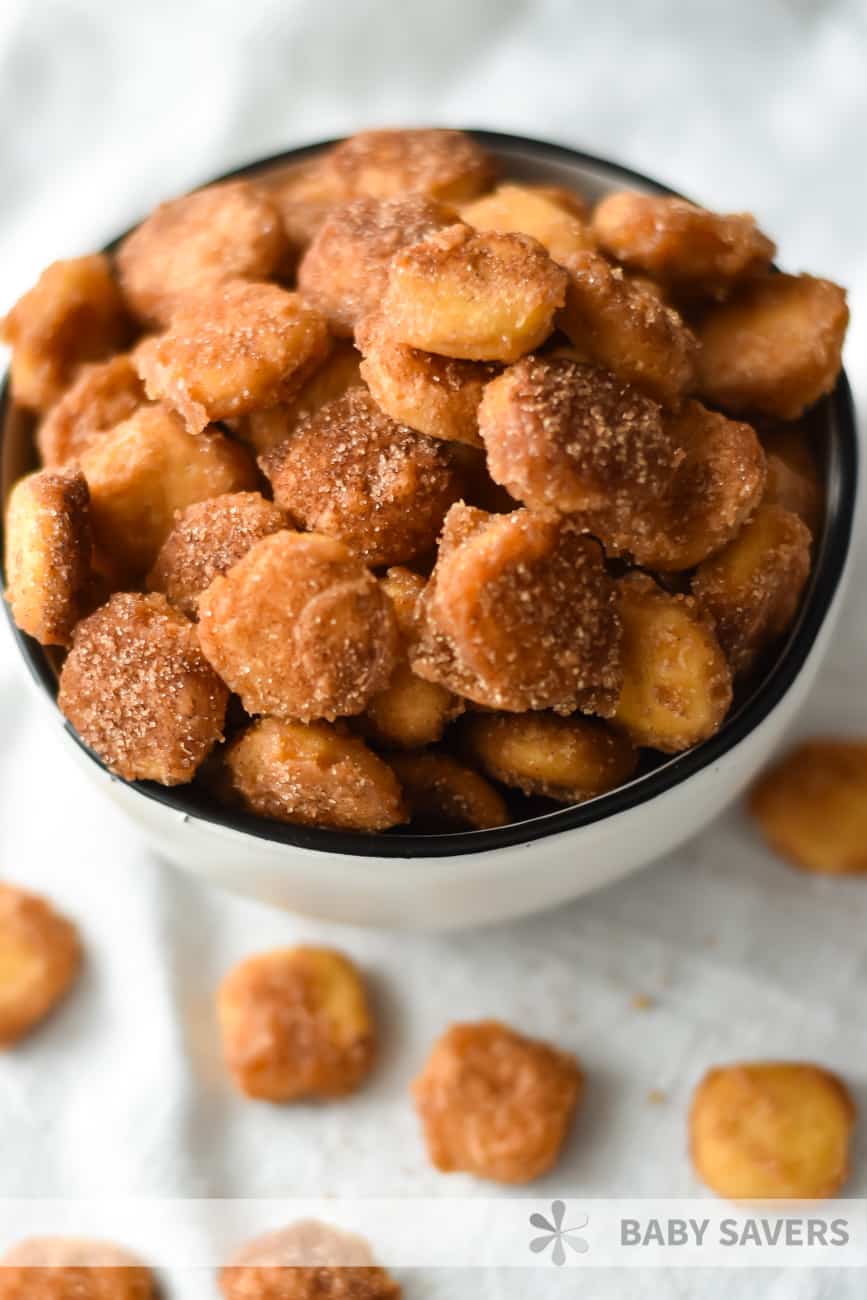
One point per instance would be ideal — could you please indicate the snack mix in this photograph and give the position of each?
(384, 490)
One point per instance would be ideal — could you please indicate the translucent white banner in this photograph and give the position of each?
(490, 1232)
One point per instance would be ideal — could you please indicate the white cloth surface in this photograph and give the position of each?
(107, 108)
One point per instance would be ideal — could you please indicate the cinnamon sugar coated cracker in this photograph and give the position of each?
(304, 194)
(207, 538)
(139, 691)
(548, 214)
(439, 396)
(148, 467)
(48, 551)
(681, 245)
(471, 295)
(405, 589)
(811, 805)
(446, 794)
(776, 347)
(444, 165)
(567, 759)
(103, 394)
(307, 1260)
(296, 1023)
(411, 712)
(623, 324)
(352, 472)
(710, 496)
(262, 1263)
(520, 614)
(771, 1129)
(677, 684)
(312, 774)
(496, 1104)
(569, 437)
(463, 488)
(69, 1268)
(232, 350)
(40, 956)
(299, 628)
(73, 314)
(752, 588)
(339, 372)
(221, 233)
(344, 272)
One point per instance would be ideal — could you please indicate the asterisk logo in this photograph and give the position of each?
(558, 1236)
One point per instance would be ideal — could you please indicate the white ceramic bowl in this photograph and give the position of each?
(414, 881)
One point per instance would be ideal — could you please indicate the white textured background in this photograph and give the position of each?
(106, 108)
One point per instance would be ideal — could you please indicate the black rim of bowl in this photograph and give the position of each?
(831, 551)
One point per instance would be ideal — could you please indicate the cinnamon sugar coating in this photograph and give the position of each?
(411, 712)
(677, 685)
(404, 589)
(144, 470)
(480, 297)
(775, 347)
(66, 1268)
(139, 692)
(344, 272)
(304, 194)
(447, 795)
(307, 1260)
(441, 164)
(712, 493)
(225, 232)
(73, 314)
(300, 629)
(625, 326)
(568, 759)
(520, 614)
(811, 805)
(102, 395)
(496, 1104)
(40, 956)
(439, 396)
(302, 1283)
(312, 774)
(687, 247)
(261, 1264)
(352, 472)
(554, 217)
(231, 350)
(207, 538)
(339, 372)
(48, 550)
(565, 436)
(752, 588)
(296, 1023)
(771, 1129)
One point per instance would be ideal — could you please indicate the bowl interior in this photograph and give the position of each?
(832, 430)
